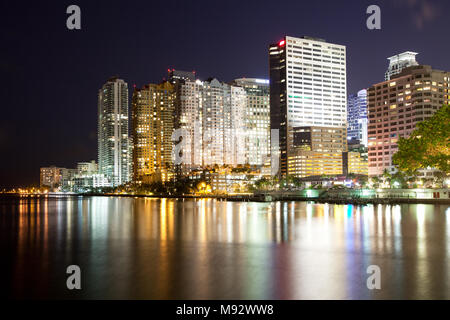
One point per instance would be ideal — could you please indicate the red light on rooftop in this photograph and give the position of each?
(281, 43)
(168, 70)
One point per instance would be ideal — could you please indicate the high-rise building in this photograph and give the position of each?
(211, 115)
(257, 119)
(50, 176)
(399, 62)
(308, 87)
(357, 117)
(396, 106)
(223, 141)
(152, 126)
(113, 139)
(188, 117)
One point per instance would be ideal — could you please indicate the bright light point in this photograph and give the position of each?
(281, 43)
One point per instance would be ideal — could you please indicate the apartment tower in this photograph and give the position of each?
(152, 112)
(113, 140)
(257, 119)
(396, 106)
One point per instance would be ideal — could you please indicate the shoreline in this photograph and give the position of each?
(249, 198)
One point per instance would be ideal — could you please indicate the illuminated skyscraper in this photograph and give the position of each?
(308, 87)
(223, 110)
(152, 126)
(257, 119)
(113, 139)
(212, 116)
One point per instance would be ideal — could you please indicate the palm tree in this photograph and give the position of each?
(387, 177)
(376, 182)
(439, 178)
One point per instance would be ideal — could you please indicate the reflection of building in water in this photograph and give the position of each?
(290, 244)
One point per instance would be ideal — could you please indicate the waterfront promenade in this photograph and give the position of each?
(336, 196)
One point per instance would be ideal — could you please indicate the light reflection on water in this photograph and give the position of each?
(206, 249)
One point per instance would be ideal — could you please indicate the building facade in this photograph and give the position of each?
(50, 177)
(317, 151)
(357, 117)
(257, 120)
(395, 107)
(87, 167)
(354, 163)
(223, 123)
(308, 87)
(67, 176)
(188, 118)
(211, 116)
(152, 127)
(113, 139)
(83, 178)
(399, 62)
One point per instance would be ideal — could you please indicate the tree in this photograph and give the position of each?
(262, 184)
(363, 180)
(427, 146)
(439, 178)
(375, 182)
(386, 177)
(398, 180)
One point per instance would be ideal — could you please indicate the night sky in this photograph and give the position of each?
(50, 75)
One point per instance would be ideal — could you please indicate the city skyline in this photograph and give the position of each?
(113, 89)
(63, 105)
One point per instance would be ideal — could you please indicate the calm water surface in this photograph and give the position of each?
(206, 249)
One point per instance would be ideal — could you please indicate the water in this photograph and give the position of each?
(131, 248)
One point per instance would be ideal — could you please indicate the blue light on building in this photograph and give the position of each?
(357, 117)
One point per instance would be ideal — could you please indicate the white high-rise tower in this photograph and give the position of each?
(113, 140)
(308, 87)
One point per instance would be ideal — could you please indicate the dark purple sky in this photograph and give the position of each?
(50, 75)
